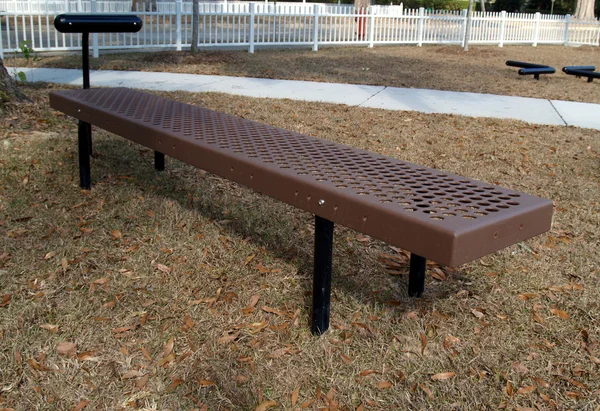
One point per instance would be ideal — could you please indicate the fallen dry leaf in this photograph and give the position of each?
(526, 296)
(560, 313)
(174, 384)
(254, 300)
(6, 298)
(141, 382)
(49, 255)
(226, 338)
(383, 385)
(426, 390)
(477, 313)
(132, 374)
(50, 327)
(307, 403)
(116, 234)
(82, 404)
(265, 405)
(295, 395)
(206, 383)
(166, 360)
(541, 383)
(272, 310)
(249, 258)
(66, 348)
(520, 368)
(526, 390)
(87, 356)
(163, 268)
(262, 269)
(443, 376)
(169, 347)
(438, 274)
(538, 318)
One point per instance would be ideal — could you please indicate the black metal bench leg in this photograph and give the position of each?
(416, 276)
(89, 133)
(83, 142)
(322, 275)
(159, 161)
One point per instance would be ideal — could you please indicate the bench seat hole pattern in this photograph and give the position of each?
(393, 183)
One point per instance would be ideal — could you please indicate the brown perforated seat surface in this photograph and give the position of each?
(437, 215)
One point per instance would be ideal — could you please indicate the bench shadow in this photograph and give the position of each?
(283, 230)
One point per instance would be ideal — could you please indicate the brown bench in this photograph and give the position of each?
(434, 215)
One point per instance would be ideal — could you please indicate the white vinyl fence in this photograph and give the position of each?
(264, 24)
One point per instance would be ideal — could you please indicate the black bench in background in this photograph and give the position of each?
(531, 68)
(582, 71)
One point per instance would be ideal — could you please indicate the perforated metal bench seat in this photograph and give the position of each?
(435, 215)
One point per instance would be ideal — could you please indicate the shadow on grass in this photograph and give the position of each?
(279, 228)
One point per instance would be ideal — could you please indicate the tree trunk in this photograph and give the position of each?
(469, 24)
(584, 10)
(483, 5)
(195, 26)
(9, 92)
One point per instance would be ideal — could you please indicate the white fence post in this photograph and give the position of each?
(421, 25)
(463, 14)
(371, 26)
(178, 8)
(95, 35)
(251, 46)
(1, 42)
(567, 24)
(502, 28)
(66, 6)
(316, 29)
(536, 33)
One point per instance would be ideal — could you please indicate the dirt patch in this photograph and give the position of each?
(481, 70)
(181, 290)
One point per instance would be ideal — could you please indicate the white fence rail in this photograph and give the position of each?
(260, 24)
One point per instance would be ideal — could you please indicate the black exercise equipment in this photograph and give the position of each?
(531, 68)
(582, 71)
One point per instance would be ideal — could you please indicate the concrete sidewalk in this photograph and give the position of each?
(537, 111)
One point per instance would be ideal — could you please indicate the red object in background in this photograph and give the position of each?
(362, 25)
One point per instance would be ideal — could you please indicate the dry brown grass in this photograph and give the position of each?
(481, 70)
(138, 261)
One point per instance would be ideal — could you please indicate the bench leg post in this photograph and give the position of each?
(416, 276)
(89, 134)
(322, 275)
(83, 142)
(159, 161)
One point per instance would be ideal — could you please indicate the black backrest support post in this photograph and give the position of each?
(86, 23)
(85, 58)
